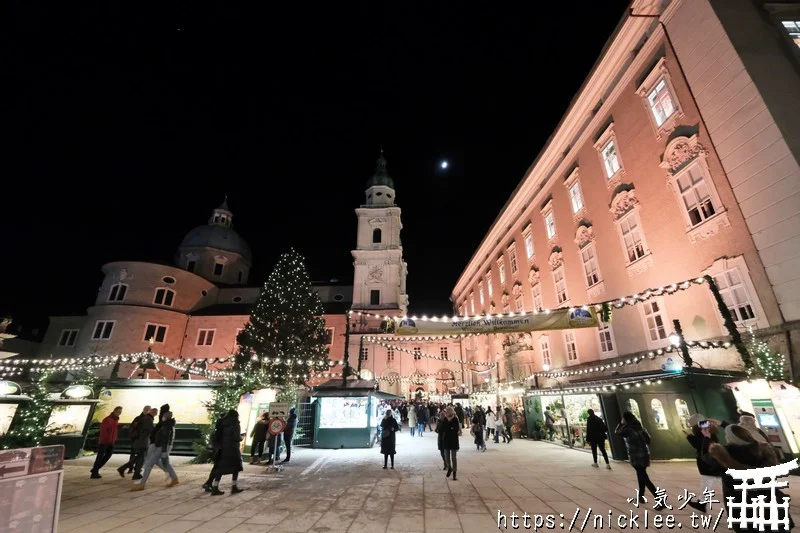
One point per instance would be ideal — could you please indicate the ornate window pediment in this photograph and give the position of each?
(504, 298)
(623, 201)
(516, 290)
(556, 258)
(584, 235)
(680, 151)
(533, 275)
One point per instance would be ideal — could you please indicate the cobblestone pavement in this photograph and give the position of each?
(348, 491)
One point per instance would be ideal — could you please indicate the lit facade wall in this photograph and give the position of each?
(629, 194)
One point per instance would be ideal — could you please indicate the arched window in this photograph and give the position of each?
(164, 297)
(376, 235)
(683, 414)
(659, 416)
(117, 292)
(633, 407)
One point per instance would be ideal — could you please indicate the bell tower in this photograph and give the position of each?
(379, 282)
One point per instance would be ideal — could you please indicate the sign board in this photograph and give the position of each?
(576, 317)
(275, 426)
(15, 463)
(278, 410)
(30, 488)
(47, 459)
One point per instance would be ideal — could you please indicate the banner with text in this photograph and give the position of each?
(558, 319)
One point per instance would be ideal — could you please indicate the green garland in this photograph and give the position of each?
(736, 338)
(29, 425)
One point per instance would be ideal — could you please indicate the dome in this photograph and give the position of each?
(217, 236)
(381, 176)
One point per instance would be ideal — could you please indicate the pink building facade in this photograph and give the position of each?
(671, 163)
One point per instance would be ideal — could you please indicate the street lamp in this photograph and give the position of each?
(675, 339)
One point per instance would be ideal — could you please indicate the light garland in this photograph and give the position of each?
(429, 356)
(622, 384)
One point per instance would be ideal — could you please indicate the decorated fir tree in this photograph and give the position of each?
(30, 422)
(285, 337)
(766, 363)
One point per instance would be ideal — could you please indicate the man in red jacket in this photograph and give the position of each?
(109, 429)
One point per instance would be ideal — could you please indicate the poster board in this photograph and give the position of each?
(188, 405)
(30, 488)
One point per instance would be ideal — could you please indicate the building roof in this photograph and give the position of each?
(381, 176)
(219, 237)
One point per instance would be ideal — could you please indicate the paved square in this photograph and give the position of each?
(348, 491)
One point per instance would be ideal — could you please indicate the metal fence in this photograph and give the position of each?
(304, 434)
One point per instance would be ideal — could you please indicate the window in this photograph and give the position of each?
(696, 196)
(536, 290)
(529, 251)
(205, 337)
(443, 352)
(389, 354)
(655, 318)
(633, 407)
(239, 276)
(607, 148)
(501, 267)
(218, 269)
(734, 294)
(661, 102)
(117, 292)
(561, 285)
(417, 353)
(489, 283)
(164, 297)
(190, 266)
(606, 337)
(520, 304)
(590, 269)
(658, 96)
(550, 224)
(328, 337)
(683, 414)
(364, 354)
(376, 236)
(68, 337)
(375, 297)
(155, 332)
(610, 159)
(102, 330)
(571, 345)
(472, 303)
(630, 228)
(659, 416)
(792, 27)
(544, 345)
(576, 197)
(512, 258)
(480, 292)
(169, 280)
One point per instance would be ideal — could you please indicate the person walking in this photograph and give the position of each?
(109, 430)
(412, 420)
(422, 420)
(636, 441)
(459, 410)
(139, 432)
(288, 433)
(549, 422)
(389, 429)
(158, 453)
(508, 419)
(477, 430)
(499, 427)
(440, 440)
(451, 430)
(229, 457)
(259, 436)
(490, 420)
(596, 435)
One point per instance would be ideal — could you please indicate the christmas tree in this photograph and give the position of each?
(766, 363)
(29, 425)
(285, 337)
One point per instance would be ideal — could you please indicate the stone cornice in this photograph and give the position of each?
(572, 131)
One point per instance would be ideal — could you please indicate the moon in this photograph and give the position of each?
(444, 164)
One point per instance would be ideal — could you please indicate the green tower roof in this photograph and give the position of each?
(381, 176)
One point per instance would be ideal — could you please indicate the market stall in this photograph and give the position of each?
(69, 421)
(10, 398)
(346, 416)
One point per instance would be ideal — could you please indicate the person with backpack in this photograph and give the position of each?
(139, 433)
(636, 440)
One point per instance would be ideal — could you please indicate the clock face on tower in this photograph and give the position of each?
(376, 273)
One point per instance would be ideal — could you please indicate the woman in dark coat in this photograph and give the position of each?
(636, 441)
(288, 433)
(229, 456)
(389, 429)
(596, 434)
(450, 431)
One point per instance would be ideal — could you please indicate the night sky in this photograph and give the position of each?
(128, 124)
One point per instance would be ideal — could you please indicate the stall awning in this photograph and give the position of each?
(607, 383)
(354, 387)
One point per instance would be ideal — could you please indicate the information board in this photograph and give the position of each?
(30, 488)
(280, 410)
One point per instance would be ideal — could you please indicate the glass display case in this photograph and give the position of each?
(68, 419)
(338, 413)
(7, 411)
